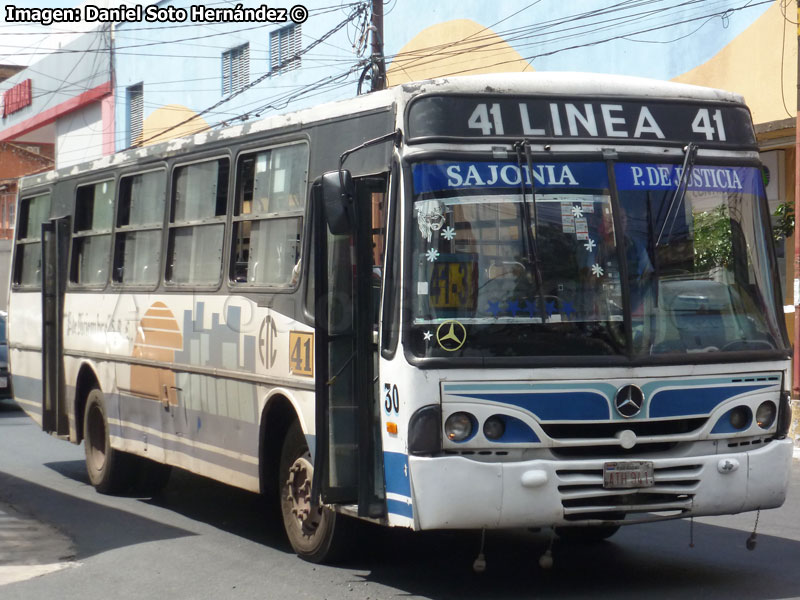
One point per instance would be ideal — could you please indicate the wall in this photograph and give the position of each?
(79, 136)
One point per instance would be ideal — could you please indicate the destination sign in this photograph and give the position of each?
(579, 119)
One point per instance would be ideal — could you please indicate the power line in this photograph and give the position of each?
(355, 13)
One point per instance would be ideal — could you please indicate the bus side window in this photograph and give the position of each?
(91, 238)
(268, 217)
(140, 218)
(28, 258)
(197, 223)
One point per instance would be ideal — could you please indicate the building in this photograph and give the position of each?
(64, 100)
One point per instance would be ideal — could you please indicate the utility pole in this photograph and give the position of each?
(378, 62)
(796, 287)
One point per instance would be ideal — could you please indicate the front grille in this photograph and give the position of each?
(584, 497)
(570, 431)
(603, 451)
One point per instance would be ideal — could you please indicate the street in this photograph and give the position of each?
(201, 539)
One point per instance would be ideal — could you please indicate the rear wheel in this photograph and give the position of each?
(316, 533)
(108, 469)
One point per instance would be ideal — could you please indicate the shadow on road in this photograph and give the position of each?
(230, 509)
(94, 527)
(653, 561)
(9, 407)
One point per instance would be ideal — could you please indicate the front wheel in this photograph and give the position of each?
(316, 533)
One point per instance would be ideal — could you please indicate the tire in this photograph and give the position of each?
(109, 470)
(586, 534)
(315, 534)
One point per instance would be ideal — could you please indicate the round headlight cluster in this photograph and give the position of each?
(462, 426)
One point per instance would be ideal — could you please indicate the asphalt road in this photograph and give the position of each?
(201, 539)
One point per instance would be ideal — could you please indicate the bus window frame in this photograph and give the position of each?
(391, 327)
(87, 233)
(572, 361)
(35, 193)
(119, 286)
(302, 214)
(169, 225)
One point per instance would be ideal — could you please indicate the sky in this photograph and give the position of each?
(24, 44)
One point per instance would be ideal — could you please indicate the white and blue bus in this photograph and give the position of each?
(534, 300)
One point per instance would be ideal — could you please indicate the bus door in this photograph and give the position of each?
(347, 286)
(55, 249)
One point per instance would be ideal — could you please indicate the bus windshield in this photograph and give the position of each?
(562, 269)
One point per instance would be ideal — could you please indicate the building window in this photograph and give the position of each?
(235, 69)
(135, 101)
(284, 48)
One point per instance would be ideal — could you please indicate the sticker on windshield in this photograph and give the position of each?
(430, 217)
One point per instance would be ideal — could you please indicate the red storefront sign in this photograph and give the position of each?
(17, 97)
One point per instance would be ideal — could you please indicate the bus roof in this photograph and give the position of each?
(577, 84)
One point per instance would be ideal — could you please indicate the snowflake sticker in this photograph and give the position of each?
(432, 254)
(590, 244)
(577, 212)
(448, 233)
(597, 270)
(427, 336)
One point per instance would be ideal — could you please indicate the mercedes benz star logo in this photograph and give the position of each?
(629, 401)
(451, 335)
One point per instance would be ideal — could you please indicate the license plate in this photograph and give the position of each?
(3, 382)
(629, 474)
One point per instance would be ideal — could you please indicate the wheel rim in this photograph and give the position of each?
(96, 438)
(298, 497)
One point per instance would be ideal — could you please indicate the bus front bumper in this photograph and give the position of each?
(455, 492)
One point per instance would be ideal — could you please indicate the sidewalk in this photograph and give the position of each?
(29, 548)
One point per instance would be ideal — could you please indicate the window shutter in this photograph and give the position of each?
(136, 114)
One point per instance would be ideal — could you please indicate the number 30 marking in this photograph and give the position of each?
(392, 400)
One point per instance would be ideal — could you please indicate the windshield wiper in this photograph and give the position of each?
(530, 225)
(677, 198)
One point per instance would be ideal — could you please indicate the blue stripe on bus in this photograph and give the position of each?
(395, 469)
(695, 401)
(397, 507)
(555, 406)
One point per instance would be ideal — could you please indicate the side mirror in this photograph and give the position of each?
(337, 199)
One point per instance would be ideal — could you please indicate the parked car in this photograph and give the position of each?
(5, 380)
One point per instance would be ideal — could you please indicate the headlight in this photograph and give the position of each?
(459, 426)
(740, 417)
(494, 428)
(765, 415)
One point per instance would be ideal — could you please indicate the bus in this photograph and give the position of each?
(541, 300)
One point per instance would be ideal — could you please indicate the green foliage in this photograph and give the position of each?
(712, 239)
(784, 226)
